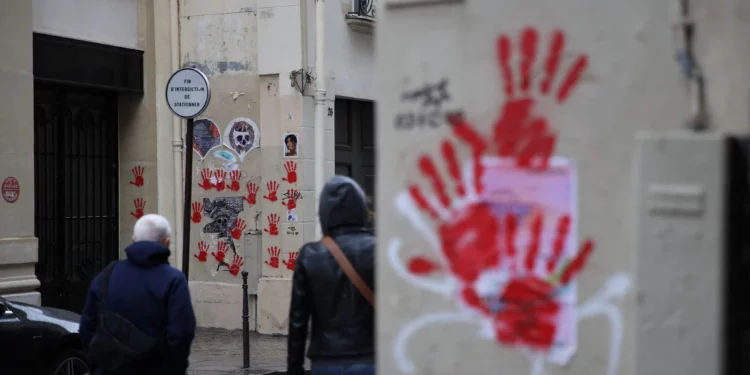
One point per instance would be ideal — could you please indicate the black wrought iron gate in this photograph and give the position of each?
(76, 180)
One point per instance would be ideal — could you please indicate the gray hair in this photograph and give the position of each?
(152, 227)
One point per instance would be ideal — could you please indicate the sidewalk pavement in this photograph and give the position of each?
(218, 351)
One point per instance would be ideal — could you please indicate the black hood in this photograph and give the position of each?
(147, 253)
(342, 205)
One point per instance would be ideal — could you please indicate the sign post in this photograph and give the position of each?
(188, 94)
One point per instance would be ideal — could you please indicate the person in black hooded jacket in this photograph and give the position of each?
(342, 340)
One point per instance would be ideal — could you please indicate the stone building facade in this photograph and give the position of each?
(97, 70)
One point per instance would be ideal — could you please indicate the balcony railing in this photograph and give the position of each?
(362, 16)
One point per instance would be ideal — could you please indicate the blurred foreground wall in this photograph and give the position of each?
(490, 259)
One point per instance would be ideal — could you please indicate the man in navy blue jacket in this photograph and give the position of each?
(150, 293)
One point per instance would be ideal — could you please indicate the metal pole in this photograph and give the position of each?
(187, 198)
(245, 324)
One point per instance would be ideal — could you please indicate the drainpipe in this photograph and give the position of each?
(320, 104)
(177, 142)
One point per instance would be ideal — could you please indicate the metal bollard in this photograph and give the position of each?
(245, 325)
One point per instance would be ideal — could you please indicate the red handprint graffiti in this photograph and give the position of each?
(197, 209)
(221, 251)
(202, 252)
(273, 252)
(291, 172)
(239, 226)
(252, 193)
(272, 187)
(206, 175)
(292, 195)
(236, 266)
(234, 176)
(518, 132)
(273, 228)
(139, 204)
(292, 256)
(221, 176)
(137, 176)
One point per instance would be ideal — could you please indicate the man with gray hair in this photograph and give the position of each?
(138, 316)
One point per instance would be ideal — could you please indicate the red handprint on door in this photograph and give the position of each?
(234, 176)
(252, 193)
(292, 195)
(221, 251)
(137, 176)
(206, 175)
(139, 204)
(273, 228)
(291, 172)
(273, 252)
(221, 176)
(272, 187)
(236, 266)
(239, 226)
(197, 209)
(518, 132)
(202, 252)
(292, 256)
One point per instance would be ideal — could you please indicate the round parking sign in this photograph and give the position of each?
(11, 190)
(188, 92)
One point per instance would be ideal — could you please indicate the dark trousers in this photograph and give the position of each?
(350, 369)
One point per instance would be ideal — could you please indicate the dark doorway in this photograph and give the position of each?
(355, 144)
(76, 179)
(76, 86)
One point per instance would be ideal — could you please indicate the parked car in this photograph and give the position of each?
(39, 341)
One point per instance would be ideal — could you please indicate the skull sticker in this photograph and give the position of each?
(242, 135)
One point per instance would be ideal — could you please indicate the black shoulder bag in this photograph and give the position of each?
(118, 346)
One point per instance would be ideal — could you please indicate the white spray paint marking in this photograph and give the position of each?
(406, 207)
(404, 364)
(445, 287)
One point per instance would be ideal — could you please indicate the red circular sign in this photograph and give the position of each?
(11, 189)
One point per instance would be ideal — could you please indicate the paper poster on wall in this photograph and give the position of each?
(242, 135)
(226, 160)
(544, 205)
(206, 137)
(291, 145)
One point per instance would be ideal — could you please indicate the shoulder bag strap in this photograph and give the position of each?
(105, 284)
(349, 270)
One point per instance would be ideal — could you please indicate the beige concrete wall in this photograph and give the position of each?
(632, 82)
(18, 246)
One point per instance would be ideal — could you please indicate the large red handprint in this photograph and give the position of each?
(273, 228)
(273, 252)
(272, 187)
(236, 266)
(292, 260)
(292, 195)
(518, 132)
(468, 232)
(252, 193)
(202, 252)
(206, 175)
(238, 227)
(139, 204)
(137, 176)
(197, 209)
(221, 251)
(221, 176)
(234, 176)
(291, 172)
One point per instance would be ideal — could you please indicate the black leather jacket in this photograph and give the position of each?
(342, 320)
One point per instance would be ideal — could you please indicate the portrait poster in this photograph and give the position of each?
(291, 145)
(552, 194)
